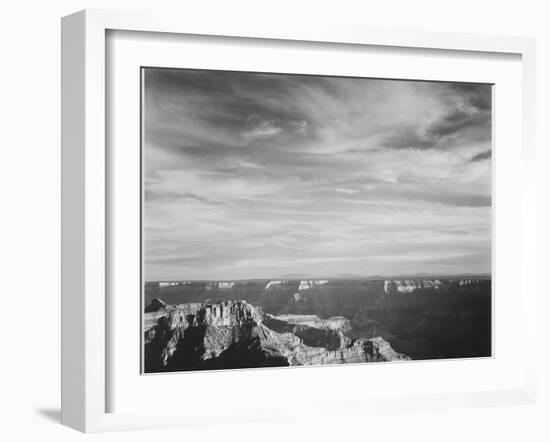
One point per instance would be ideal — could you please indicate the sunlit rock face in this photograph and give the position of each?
(310, 283)
(273, 283)
(411, 285)
(235, 334)
(468, 282)
(334, 323)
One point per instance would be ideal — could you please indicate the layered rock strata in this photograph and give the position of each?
(235, 334)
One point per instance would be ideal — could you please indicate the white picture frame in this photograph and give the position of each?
(85, 206)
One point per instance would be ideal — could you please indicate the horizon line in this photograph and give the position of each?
(297, 278)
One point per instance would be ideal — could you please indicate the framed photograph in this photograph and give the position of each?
(289, 208)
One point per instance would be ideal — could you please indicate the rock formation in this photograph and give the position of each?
(310, 283)
(312, 330)
(468, 282)
(272, 283)
(410, 285)
(235, 334)
(155, 305)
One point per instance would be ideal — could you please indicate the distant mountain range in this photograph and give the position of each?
(352, 276)
(419, 275)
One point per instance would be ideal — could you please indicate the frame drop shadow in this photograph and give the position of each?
(51, 414)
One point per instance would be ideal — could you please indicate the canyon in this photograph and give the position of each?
(424, 318)
(235, 334)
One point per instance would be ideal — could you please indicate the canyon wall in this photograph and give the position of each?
(235, 334)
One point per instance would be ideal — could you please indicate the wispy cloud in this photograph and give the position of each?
(261, 129)
(258, 175)
(346, 190)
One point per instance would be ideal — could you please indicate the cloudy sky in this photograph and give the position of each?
(252, 175)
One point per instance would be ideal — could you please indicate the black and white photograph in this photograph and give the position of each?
(306, 220)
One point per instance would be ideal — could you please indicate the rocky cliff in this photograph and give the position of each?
(410, 285)
(235, 334)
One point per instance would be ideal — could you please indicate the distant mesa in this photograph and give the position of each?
(211, 285)
(411, 285)
(468, 282)
(173, 283)
(272, 283)
(310, 283)
(304, 283)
